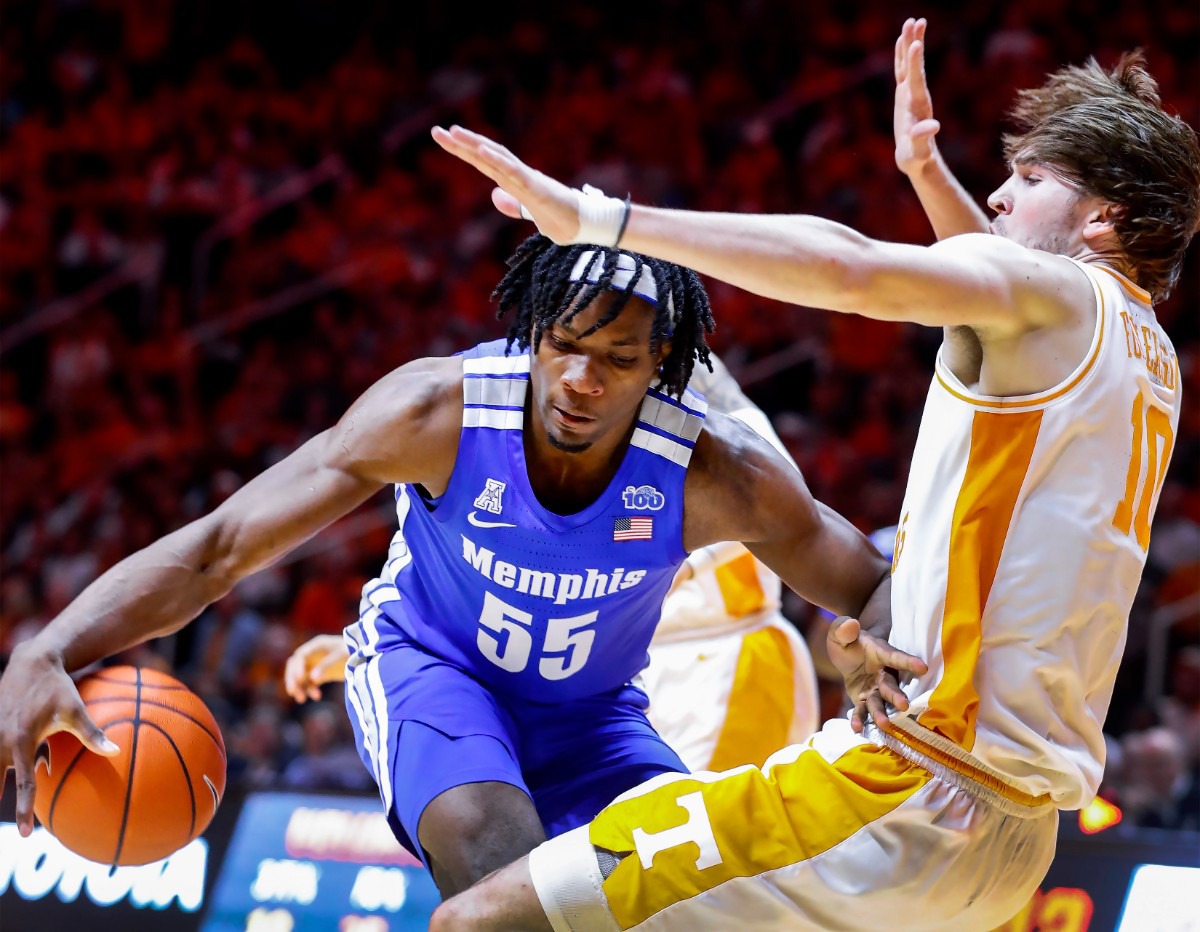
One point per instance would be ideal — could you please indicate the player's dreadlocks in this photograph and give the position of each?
(538, 283)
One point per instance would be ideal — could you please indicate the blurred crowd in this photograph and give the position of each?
(220, 222)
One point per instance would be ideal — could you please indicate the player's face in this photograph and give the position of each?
(586, 389)
(1039, 209)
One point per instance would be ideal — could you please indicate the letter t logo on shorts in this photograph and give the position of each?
(696, 829)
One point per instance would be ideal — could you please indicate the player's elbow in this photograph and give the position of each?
(867, 284)
(216, 557)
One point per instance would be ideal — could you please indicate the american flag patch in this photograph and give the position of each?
(633, 528)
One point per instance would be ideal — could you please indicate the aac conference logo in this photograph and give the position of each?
(643, 498)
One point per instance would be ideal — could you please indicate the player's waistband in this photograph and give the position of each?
(946, 760)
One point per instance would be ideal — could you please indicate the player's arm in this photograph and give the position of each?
(740, 488)
(978, 281)
(724, 394)
(948, 206)
(403, 429)
(318, 661)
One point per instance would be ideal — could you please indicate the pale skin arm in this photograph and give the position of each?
(979, 281)
(948, 206)
(315, 663)
(161, 588)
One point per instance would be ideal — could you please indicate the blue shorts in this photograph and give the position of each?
(424, 726)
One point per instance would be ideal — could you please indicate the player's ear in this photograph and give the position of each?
(1100, 224)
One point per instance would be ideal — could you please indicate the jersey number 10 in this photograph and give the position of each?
(1149, 423)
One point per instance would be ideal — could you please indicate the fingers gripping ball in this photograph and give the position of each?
(155, 796)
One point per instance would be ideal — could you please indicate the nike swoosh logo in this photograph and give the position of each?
(479, 522)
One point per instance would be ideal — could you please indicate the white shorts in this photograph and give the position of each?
(837, 833)
(733, 698)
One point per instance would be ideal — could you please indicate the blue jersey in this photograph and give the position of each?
(537, 605)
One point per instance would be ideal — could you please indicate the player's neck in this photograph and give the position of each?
(567, 482)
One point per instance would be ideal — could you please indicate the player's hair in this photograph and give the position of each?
(1107, 133)
(538, 284)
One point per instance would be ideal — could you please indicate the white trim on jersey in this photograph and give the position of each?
(667, 417)
(497, 365)
(503, 393)
(662, 446)
(497, 418)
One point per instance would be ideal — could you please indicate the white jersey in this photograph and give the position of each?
(728, 590)
(730, 679)
(1022, 540)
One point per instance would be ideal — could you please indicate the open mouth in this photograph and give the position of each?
(572, 420)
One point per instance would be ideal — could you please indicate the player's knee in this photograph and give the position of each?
(459, 912)
(469, 837)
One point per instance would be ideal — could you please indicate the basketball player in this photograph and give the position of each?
(546, 498)
(1045, 438)
(730, 681)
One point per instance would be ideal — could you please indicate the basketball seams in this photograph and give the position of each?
(171, 683)
(162, 705)
(187, 774)
(137, 716)
(131, 831)
(62, 781)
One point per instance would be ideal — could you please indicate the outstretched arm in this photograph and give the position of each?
(983, 282)
(164, 586)
(948, 206)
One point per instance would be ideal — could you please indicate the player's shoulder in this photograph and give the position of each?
(410, 418)
(729, 453)
(423, 386)
(737, 484)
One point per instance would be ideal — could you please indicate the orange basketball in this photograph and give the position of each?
(154, 797)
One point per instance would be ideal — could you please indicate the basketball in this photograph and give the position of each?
(152, 798)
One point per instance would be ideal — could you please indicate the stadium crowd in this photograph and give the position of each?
(219, 223)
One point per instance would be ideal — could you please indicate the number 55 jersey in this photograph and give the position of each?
(536, 605)
(1022, 540)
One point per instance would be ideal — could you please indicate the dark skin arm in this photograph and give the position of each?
(740, 488)
(405, 428)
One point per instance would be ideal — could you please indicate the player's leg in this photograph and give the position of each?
(577, 757)
(441, 750)
(503, 902)
(470, 831)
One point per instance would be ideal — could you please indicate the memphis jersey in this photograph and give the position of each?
(537, 605)
(1021, 543)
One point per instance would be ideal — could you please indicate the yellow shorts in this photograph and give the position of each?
(836, 833)
(732, 698)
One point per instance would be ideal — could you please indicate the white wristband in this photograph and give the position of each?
(600, 217)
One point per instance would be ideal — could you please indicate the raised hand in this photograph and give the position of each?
(913, 120)
(314, 663)
(552, 205)
(865, 662)
(37, 699)
(565, 215)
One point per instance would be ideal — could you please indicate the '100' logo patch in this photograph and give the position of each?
(643, 498)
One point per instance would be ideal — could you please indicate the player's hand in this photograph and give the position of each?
(864, 662)
(37, 699)
(913, 120)
(551, 205)
(314, 663)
